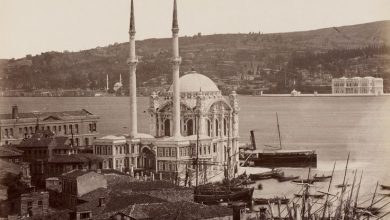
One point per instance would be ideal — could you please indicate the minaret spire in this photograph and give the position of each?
(175, 24)
(176, 60)
(132, 23)
(132, 61)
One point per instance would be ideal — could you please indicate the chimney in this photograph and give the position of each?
(101, 201)
(15, 112)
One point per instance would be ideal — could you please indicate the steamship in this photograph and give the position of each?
(277, 157)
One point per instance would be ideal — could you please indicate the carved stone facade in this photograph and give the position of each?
(205, 106)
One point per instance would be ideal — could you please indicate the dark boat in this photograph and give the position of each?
(308, 181)
(286, 178)
(274, 173)
(316, 196)
(277, 157)
(218, 195)
(342, 185)
(265, 201)
(385, 187)
(321, 178)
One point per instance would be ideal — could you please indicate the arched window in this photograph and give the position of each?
(167, 127)
(208, 128)
(216, 127)
(190, 127)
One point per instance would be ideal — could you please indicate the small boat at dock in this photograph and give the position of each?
(342, 185)
(315, 196)
(307, 181)
(277, 156)
(265, 201)
(321, 178)
(286, 178)
(274, 173)
(218, 195)
(385, 187)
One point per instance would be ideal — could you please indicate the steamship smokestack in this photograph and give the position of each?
(253, 140)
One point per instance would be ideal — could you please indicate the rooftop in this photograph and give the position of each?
(46, 115)
(176, 210)
(7, 167)
(46, 140)
(75, 158)
(114, 201)
(9, 151)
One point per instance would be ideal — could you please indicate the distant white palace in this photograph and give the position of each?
(357, 86)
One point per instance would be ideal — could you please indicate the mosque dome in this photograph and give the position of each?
(195, 82)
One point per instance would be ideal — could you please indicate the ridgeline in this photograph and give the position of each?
(276, 62)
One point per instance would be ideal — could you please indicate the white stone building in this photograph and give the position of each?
(357, 86)
(191, 120)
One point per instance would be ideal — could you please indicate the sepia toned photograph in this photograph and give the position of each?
(195, 109)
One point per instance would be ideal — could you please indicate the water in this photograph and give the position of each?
(333, 126)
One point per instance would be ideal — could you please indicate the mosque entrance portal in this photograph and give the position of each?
(147, 159)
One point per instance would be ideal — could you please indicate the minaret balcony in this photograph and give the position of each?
(132, 61)
(176, 60)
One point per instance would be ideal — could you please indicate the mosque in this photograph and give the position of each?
(190, 122)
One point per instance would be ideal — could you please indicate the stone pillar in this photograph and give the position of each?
(176, 60)
(132, 61)
(234, 122)
(153, 105)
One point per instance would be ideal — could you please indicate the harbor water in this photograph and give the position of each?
(333, 126)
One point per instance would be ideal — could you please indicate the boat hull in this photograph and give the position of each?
(285, 160)
(215, 197)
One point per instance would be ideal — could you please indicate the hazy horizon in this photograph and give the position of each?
(33, 27)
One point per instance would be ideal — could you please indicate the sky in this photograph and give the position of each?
(35, 26)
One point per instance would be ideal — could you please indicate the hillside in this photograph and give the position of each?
(269, 59)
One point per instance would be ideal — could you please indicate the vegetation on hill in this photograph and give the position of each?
(348, 50)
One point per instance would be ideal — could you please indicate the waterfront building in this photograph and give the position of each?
(192, 120)
(116, 152)
(80, 125)
(357, 86)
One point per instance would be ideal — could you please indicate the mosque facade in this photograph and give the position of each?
(191, 123)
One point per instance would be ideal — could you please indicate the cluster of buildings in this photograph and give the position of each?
(79, 125)
(357, 86)
(63, 166)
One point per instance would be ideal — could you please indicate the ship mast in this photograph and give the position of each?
(280, 139)
(197, 154)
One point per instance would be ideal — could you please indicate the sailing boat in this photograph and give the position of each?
(218, 193)
(278, 157)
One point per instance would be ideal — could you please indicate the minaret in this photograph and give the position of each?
(132, 61)
(176, 60)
